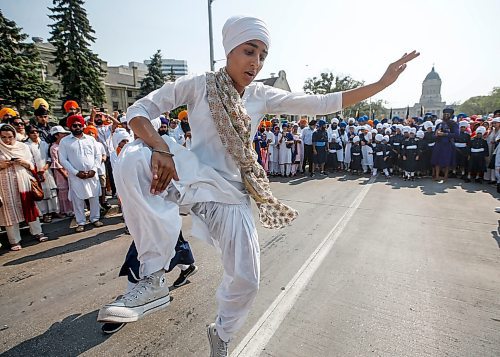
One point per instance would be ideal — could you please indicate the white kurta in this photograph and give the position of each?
(210, 182)
(41, 157)
(258, 99)
(101, 169)
(80, 155)
(285, 154)
(274, 151)
(104, 133)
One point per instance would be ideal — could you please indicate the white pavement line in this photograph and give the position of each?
(260, 334)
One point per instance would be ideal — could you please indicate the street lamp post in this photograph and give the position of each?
(210, 34)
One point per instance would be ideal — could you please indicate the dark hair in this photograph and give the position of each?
(29, 128)
(8, 127)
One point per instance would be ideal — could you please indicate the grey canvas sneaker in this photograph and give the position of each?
(218, 348)
(148, 295)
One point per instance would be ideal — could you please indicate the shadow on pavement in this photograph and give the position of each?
(81, 244)
(495, 235)
(71, 337)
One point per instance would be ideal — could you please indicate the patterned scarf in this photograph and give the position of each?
(234, 125)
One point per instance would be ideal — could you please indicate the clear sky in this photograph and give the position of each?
(354, 37)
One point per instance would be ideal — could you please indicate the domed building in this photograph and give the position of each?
(430, 100)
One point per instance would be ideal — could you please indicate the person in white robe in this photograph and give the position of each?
(285, 151)
(79, 155)
(274, 152)
(49, 206)
(157, 177)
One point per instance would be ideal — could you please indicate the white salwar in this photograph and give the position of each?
(81, 155)
(210, 187)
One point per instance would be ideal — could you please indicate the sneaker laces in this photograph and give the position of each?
(221, 346)
(138, 289)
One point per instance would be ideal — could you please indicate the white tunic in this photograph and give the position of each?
(258, 99)
(80, 155)
(274, 151)
(101, 169)
(285, 156)
(104, 136)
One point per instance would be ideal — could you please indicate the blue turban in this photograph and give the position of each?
(343, 124)
(163, 120)
(321, 122)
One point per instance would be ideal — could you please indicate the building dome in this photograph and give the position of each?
(432, 75)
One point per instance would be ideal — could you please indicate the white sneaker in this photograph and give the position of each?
(218, 348)
(148, 295)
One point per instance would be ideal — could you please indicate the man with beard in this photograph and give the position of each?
(184, 121)
(164, 126)
(78, 154)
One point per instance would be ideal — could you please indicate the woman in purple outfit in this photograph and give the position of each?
(443, 155)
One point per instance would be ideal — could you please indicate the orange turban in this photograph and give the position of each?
(183, 114)
(40, 101)
(370, 122)
(90, 129)
(75, 118)
(5, 111)
(70, 104)
(303, 121)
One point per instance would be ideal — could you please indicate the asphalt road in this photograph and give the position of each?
(368, 269)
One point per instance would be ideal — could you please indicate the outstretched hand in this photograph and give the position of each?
(396, 68)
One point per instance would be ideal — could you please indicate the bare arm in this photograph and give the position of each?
(392, 73)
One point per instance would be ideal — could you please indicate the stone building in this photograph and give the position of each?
(430, 99)
(122, 85)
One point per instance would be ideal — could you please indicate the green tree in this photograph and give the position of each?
(174, 113)
(330, 83)
(78, 67)
(171, 76)
(154, 78)
(482, 104)
(21, 79)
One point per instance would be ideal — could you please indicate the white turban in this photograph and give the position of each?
(240, 29)
(335, 121)
(156, 122)
(427, 125)
(355, 139)
(119, 135)
(481, 130)
(463, 123)
(420, 134)
(379, 137)
(388, 131)
(386, 138)
(413, 130)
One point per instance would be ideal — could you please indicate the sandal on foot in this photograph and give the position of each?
(16, 247)
(79, 229)
(47, 218)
